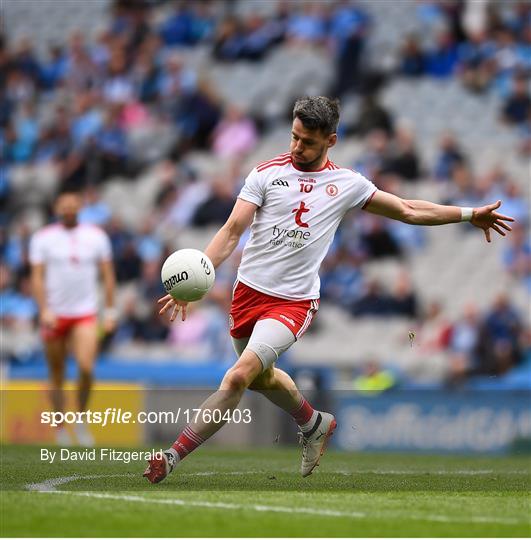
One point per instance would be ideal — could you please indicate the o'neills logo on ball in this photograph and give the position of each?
(206, 267)
(332, 190)
(174, 280)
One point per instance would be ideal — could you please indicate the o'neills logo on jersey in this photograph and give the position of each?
(293, 238)
(307, 180)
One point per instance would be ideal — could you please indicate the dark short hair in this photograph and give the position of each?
(319, 112)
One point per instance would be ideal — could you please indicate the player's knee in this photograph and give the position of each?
(236, 379)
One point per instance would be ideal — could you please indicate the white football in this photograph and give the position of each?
(187, 274)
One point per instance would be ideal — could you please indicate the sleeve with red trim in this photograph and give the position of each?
(254, 188)
(363, 192)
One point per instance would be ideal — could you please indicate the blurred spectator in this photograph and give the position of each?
(404, 160)
(376, 239)
(434, 333)
(26, 133)
(412, 61)
(18, 313)
(150, 286)
(442, 59)
(464, 338)
(349, 26)
(111, 144)
(118, 86)
(341, 278)
(259, 36)
(204, 338)
(153, 328)
(476, 61)
(517, 106)
(462, 191)
(235, 135)
(517, 255)
(94, 210)
(372, 159)
(373, 302)
(507, 58)
(514, 202)
(149, 245)
(450, 154)
(403, 298)
(374, 378)
(25, 60)
(216, 208)
(499, 348)
(372, 117)
(229, 40)
(178, 28)
(196, 116)
(18, 310)
(15, 247)
(128, 263)
(306, 24)
(80, 72)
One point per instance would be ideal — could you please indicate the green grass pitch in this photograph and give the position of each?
(260, 493)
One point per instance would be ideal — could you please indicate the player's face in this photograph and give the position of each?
(309, 148)
(67, 208)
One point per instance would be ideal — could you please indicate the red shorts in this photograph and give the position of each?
(250, 306)
(63, 325)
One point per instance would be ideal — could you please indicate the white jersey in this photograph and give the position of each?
(71, 260)
(295, 224)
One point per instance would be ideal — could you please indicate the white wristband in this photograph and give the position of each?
(466, 213)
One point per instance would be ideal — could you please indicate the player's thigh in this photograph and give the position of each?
(239, 345)
(84, 340)
(270, 338)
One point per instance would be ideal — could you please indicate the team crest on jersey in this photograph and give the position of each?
(331, 189)
(280, 182)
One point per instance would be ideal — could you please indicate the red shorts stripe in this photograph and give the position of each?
(250, 306)
(309, 316)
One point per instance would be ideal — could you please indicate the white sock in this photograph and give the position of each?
(309, 425)
(174, 453)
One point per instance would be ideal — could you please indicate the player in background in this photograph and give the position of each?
(66, 258)
(294, 204)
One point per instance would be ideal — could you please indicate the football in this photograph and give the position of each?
(187, 275)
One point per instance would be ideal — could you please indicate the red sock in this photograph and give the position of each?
(187, 442)
(303, 413)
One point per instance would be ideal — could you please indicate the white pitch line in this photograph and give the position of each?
(50, 486)
(285, 509)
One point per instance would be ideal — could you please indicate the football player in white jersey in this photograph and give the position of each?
(293, 204)
(66, 258)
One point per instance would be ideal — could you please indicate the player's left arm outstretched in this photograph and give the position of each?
(428, 213)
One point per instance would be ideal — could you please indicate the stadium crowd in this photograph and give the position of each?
(78, 108)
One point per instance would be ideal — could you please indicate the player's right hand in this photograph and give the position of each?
(47, 318)
(177, 306)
